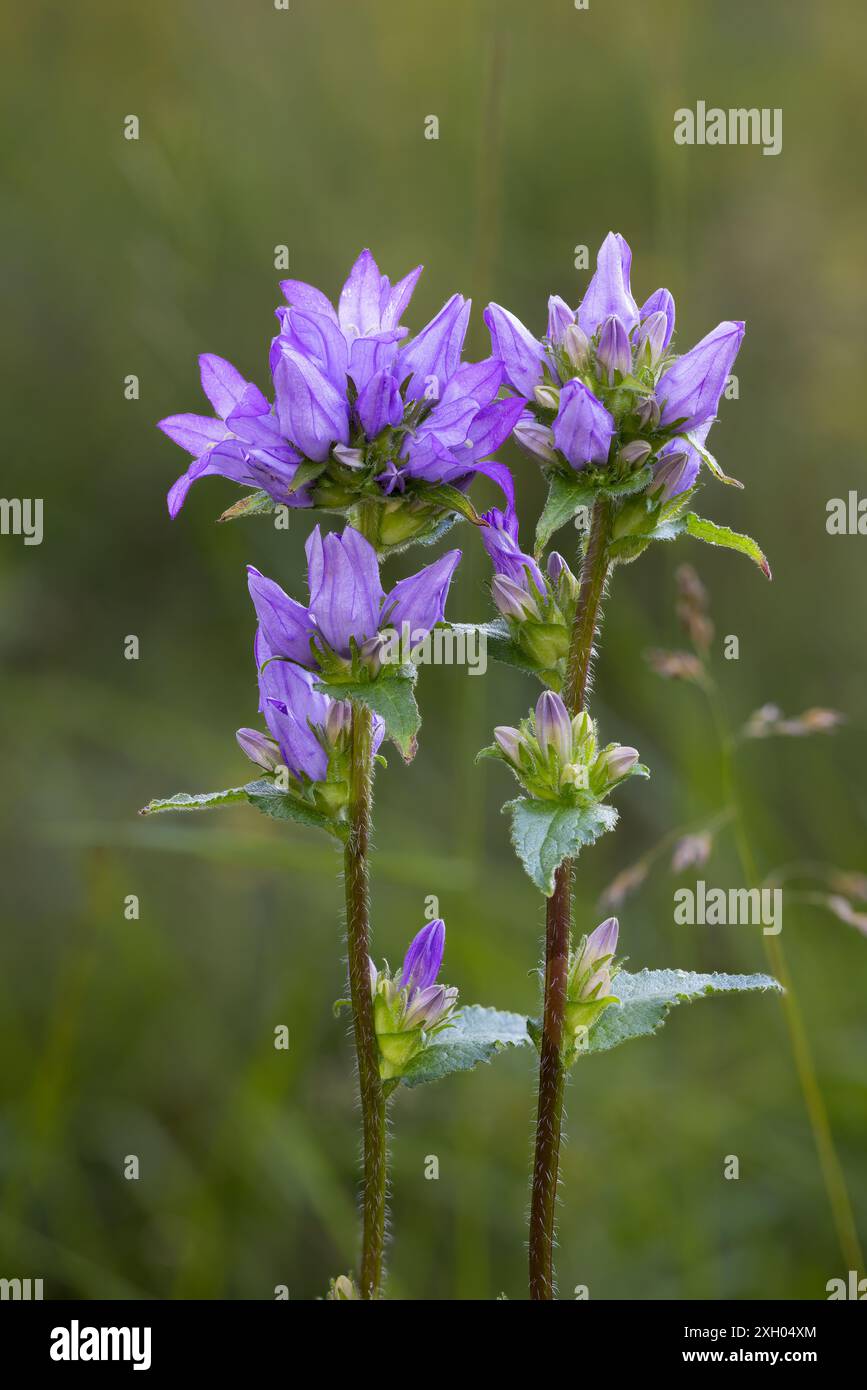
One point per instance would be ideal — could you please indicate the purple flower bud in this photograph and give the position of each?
(691, 388)
(513, 600)
(583, 429)
(652, 335)
(609, 291)
(661, 302)
(536, 438)
(423, 959)
(648, 413)
(510, 742)
(370, 653)
(500, 539)
(260, 749)
(576, 346)
(345, 589)
(374, 974)
(614, 353)
(673, 474)
(338, 721)
(555, 566)
(635, 453)
(553, 726)
(350, 458)
(547, 396)
(425, 1007)
(380, 404)
(620, 761)
(602, 942)
(560, 319)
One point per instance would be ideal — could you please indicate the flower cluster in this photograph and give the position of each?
(538, 608)
(606, 395)
(341, 633)
(588, 989)
(556, 758)
(364, 419)
(410, 1006)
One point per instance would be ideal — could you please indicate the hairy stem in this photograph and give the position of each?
(358, 939)
(552, 1072)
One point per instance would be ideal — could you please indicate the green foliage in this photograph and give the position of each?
(263, 794)
(544, 833)
(392, 697)
(476, 1034)
(647, 998)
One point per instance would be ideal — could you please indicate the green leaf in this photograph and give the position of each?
(305, 473)
(262, 794)
(499, 645)
(647, 998)
(544, 833)
(254, 504)
(391, 697)
(709, 532)
(710, 462)
(475, 1036)
(565, 496)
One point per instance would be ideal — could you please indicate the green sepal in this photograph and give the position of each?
(444, 495)
(257, 503)
(565, 497)
(392, 697)
(544, 833)
(500, 645)
(711, 534)
(475, 1034)
(710, 462)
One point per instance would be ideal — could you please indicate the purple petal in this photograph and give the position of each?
(287, 626)
(583, 429)
(195, 433)
(560, 316)
(359, 308)
(522, 355)
(310, 410)
(609, 290)
(398, 297)
(660, 302)
(345, 589)
(380, 404)
(420, 600)
(423, 959)
(432, 357)
(690, 390)
(221, 382)
(302, 296)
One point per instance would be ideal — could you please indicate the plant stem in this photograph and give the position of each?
(358, 939)
(552, 1072)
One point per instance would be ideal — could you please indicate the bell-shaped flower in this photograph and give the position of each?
(583, 429)
(521, 354)
(609, 291)
(689, 391)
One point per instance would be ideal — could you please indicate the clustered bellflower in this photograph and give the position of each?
(557, 758)
(606, 396)
(364, 419)
(411, 1006)
(588, 985)
(342, 630)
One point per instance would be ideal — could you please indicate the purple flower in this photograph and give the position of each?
(244, 444)
(291, 705)
(423, 959)
(553, 726)
(260, 749)
(432, 357)
(690, 390)
(500, 539)
(602, 942)
(583, 429)
(369, 305)
(521, 354)
(609, 290)
(347, 602)
(535, 437)
(310, 409)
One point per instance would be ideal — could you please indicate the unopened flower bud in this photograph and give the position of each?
(338, 721)
(636, 453)
(370, 653)
(553, 726)
(512, 600)
(620, 762)
(510, 742)
(653, 337)
(576, 346)
(582, 727)
(648, 413)
(351, 458)
(547, 396)
(536, 438)
(614, 353)
(260, 749)
(667, 481)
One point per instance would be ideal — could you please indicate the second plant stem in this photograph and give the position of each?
(370, 1086)
(552, 1071)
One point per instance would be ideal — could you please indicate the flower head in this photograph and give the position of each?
(409, 1006)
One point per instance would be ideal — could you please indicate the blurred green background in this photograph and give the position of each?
(154, 1037)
